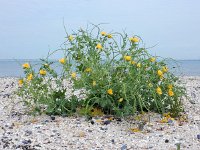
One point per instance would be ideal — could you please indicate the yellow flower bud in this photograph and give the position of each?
(159, 90)
(150, 85)
(164, 69)
(133, 62)
(30, 77)
(94, 83)
(70, 38)
(139, 65)
(20, 82)
(109, 35)
(153, 59)
(120, 100)
(88, 70)
(103, 33)
(73, 74)
(170, 86)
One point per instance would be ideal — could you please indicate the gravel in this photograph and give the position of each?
(21, 131)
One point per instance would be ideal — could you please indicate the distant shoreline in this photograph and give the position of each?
(12, 68)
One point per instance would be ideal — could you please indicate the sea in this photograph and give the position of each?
(13, 68)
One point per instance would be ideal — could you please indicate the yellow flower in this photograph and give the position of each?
(166, 115)
(99, 46)
(170, 92)
(153, 59)
(138, 65)
(133, 62)
(127, 58)
(170, 86)
(20, 82)
(30, 77)
(164, 69)
(26, 66)
(161, 77)
(97, 112)
(94, 83)
(160, 73)
(70, 38)
(134, 39)
(62, 60)
(109, 35)
(46, 65)
(164, 120)
(159, 90)
(73, 74)
(120, 100)
(88, 70)
(103, 33)
(110, 91)
(43, 72)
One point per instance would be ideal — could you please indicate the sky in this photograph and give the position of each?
(29, 29)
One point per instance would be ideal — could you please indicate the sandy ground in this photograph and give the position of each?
(21, 131)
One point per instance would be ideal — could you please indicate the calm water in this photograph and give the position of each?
(12, 68)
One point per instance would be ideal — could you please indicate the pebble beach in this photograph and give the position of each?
(21, 131)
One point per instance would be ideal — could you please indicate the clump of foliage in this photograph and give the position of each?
(109, 72)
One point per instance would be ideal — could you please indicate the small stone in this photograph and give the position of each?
(89, 130)
(27, 133)
(192, 101)
(196, 118)
(198, 136)
(150, 147)
(46, 121)
(54, 131)
(118, 119)
(92, 122)
(106, 122)
(37, 145)
(81, 134)
(52, 117)
(88, 118)
(113, 141)
(166, 141)
(193, 95)
(180, 123)
(124, 147)
(26, 141)
(103, 128)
